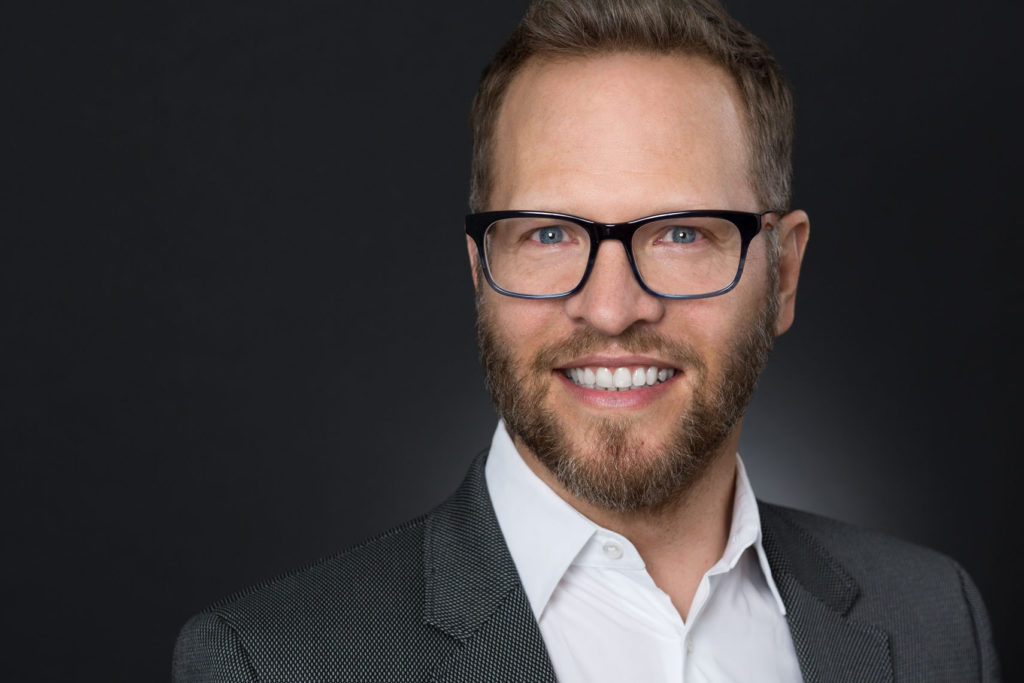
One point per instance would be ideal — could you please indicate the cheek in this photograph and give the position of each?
(524, 324)
(702, 323)
(714, 326)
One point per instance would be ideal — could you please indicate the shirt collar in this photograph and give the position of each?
(745, 532)
(544, 533)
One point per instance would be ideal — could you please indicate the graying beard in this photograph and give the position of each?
(615, 481)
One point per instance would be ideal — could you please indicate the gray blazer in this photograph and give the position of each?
(439, 599)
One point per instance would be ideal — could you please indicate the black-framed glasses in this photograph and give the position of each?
(678, 255)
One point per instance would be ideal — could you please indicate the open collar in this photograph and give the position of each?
(472, 593)
(545, 534)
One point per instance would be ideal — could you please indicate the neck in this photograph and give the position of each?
(680, 541)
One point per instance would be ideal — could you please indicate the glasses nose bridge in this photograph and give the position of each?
(622, 232)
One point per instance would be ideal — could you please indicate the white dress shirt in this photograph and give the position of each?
(600, 613)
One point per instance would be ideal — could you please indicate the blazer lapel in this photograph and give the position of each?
(818, 594)
(473, 592)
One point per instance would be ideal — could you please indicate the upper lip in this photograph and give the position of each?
(605, 361)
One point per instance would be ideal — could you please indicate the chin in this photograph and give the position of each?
(617, 464)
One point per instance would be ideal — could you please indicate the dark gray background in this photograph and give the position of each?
(237, 333)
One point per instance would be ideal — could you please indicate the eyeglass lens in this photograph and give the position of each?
(675, 256)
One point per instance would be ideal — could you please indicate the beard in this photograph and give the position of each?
(617, 468)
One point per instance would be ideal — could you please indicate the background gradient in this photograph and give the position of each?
(238, 330)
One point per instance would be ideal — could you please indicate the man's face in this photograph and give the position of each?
(614, 138)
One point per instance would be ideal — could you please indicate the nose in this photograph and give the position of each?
(612, 300)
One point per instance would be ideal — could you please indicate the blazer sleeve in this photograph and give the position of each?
(209, 651)
(989, 661)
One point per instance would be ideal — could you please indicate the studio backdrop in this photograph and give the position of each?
(238, 313)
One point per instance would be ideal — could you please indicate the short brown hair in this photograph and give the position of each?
(693, 27)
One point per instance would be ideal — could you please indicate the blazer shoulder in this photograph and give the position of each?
(862, 552)
(922, 597)
(393, 558)
(331, 614)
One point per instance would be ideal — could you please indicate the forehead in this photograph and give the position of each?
(621, 133)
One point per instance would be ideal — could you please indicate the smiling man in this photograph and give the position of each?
(634, 256)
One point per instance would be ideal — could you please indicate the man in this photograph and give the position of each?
(634, 255)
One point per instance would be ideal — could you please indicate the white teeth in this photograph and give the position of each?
(618, 379)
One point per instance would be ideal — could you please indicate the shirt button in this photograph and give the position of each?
(613, 550)
(689, 644)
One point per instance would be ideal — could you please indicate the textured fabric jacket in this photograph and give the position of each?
(439, 599)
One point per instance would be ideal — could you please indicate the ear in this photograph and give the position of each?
(794, 229)
(474, 258)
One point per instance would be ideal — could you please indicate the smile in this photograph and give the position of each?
(618, 379)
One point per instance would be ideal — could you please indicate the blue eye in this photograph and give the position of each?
(682, 234)
(550, 235)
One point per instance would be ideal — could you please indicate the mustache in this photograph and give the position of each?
(636, 340)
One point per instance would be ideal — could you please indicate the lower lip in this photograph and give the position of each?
(600, 398)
